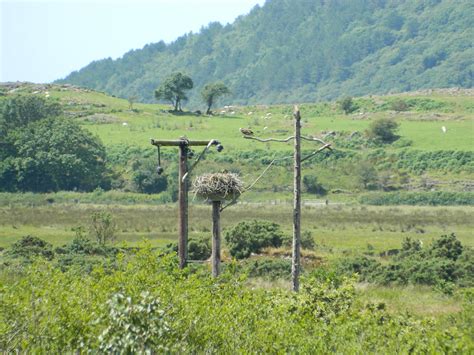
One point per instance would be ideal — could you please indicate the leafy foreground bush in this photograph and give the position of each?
(146, 304)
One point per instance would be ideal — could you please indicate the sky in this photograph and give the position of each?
(45, 40)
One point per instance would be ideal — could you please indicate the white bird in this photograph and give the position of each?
(125, 124)
(246, 131)
(264, 128)
(444, 129)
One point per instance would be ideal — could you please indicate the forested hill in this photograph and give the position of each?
(307, 50)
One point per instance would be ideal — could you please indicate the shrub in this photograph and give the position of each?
(307, 240)
(145, 178)
(399, 105)
(440, 264)
(102, 227)
(383, 130)
(199, 248)
(312, 185)
(30, 247)
(347, 105)
(268, 268)
(148, 305)
(252, 236)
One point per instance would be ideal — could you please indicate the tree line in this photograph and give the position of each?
(306, 51)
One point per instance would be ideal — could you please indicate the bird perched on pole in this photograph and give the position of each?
(246, 131)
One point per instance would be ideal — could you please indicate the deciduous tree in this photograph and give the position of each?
(173, 89)
(211, 92)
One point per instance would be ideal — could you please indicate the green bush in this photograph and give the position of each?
(252, 236)
(347, 105)
(311, 184)
(30, 247)
(199, 248)
(102, 227)
(307, 240)
(442, 263)
(268, 268)
(383, 130)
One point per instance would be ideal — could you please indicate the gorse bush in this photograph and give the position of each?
(444, 261)
(252, 236)
(383, 130)
(199, 248)
(30, 247)
(147, 305)
(267, 268)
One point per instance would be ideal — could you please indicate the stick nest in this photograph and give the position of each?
(218, 186)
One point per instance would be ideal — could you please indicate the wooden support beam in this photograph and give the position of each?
(178, 142)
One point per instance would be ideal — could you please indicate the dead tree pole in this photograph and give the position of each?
(296, 246)
(216, 238)
(296, 254)
(183, 206)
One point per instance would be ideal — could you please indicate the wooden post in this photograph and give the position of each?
(183, 143)
(216, 238)
(183, 206)
(296, 257)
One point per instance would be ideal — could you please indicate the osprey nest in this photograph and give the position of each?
(218, 187)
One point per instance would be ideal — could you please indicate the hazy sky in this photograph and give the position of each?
(41, 41)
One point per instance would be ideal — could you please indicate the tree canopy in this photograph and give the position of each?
(173, 89)
(211, 92)
(47, 153)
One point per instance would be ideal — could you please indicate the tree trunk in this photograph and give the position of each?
(295, 262)
(216, 238)
(176, 104)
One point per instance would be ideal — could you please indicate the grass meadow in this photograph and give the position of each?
(105, 115)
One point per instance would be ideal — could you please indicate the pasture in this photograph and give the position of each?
(421, 124)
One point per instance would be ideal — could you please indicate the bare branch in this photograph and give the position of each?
(310, 139)
(326, 146)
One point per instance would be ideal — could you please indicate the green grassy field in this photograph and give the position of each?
(337, 229)
(421, 124)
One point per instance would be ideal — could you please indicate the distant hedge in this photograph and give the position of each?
(437, 198)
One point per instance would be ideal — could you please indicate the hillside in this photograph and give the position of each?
(306, 51)
(423, 160)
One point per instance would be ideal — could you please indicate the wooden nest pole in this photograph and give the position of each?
(216, 238)
(217, 188)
